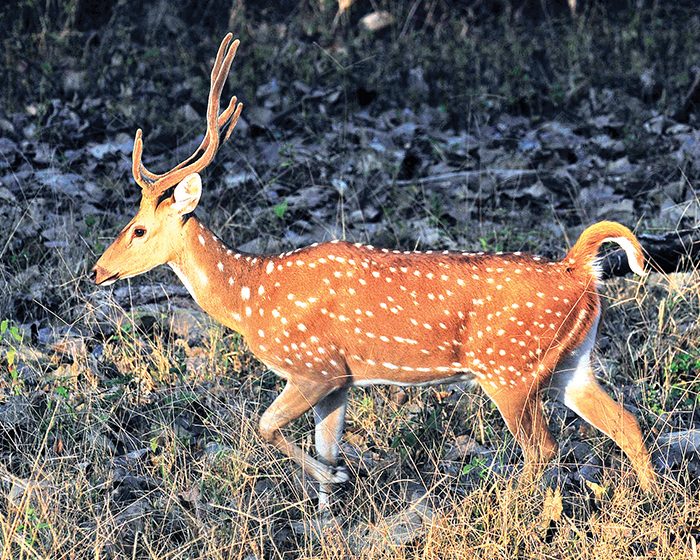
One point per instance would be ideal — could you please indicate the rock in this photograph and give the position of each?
(529, 144)
(214, 449)
(6, 197)
(463, 447)
(620, 210)
(676, 190)
(536, 192)
(678, 128)
(270, 88)
(74, 81)
(425, 233)
(235, 180)
(605, 122)
(131, 520)
(651, 90)
(258, 245)
(261, 116)
(595, 195)
(557, 136)
(313, 196)
(689, 149)
(404, 133)
(460, 145)
(14, 413)
(188, 114)
(30, 131)
(675, 212)
(383, 536)
(607, 146)
(6, 126)
(655, 125)
(100, 442)
(417, 85)
(55, 236)
(44, 154)
(621, 166)
(675, 447)
(340, 185)
(64, 184)
(242, 128)
(376, 21)
(8, 148)
(122, 144)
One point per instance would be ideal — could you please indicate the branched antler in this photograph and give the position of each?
(216, 124)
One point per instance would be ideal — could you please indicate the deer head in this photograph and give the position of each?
(169, 198)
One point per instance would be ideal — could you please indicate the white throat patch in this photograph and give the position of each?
(185, 281)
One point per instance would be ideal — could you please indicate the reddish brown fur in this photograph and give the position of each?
(428, 316)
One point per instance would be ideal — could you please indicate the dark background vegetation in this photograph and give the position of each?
(127, 420)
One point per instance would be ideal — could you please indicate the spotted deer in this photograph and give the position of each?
(336, 315)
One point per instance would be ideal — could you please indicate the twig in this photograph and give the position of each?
(498, 174)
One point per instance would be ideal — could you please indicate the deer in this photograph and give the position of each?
(337, 315)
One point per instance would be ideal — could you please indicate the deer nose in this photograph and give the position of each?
(101, 276)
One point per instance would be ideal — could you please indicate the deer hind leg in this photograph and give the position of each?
(329, 414)
(293, 401)
(579, 390)
(525, 419)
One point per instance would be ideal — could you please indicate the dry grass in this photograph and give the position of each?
(150, 451)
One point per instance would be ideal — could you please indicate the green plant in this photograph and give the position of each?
(33, 528)
(10, 339)
(280, 209)
(478, 465)
(684, 365)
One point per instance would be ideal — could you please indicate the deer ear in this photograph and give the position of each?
(187, 193)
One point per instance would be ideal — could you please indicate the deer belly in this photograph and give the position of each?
(400, 362)
(414, 381)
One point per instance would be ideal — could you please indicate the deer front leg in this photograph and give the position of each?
(293, 401)
(329, 414)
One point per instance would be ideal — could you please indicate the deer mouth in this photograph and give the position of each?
(99, 276)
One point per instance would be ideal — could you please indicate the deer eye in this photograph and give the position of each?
(139, 232)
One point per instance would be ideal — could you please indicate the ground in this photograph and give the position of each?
(128, 419)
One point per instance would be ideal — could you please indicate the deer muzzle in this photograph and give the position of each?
(102, 276)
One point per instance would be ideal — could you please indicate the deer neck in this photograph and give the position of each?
(218, 278)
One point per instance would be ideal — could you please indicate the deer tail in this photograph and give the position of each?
(585, 250)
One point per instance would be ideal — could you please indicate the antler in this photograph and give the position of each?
(216, 122)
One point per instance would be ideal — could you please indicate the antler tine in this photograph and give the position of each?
(233, 121)
(142, 176)
(211, 142)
